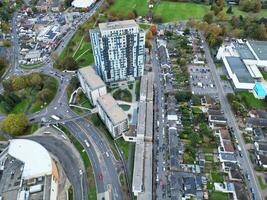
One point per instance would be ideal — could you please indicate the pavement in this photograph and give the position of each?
(245, 161)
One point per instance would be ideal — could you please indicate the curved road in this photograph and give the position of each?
(66, 158)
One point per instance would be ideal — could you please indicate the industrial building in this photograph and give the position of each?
(27, 172)
(92, 85)
(243, 61)
(112, 115)
(118, 49)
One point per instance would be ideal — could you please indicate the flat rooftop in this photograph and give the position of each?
(149, 120)
(150, 83)
(147, 195)
(117, 25)
(137, 184)
(93, 80)
(260, 48)
(112, 109)
(244, 51)
(141, 122)
(239, 69)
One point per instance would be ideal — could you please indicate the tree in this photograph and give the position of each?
(208, 17)
(18, 83)
(44, 95)
(35, 79)
(153, 29)
(229, 10)
(149, 35)
(67, 64)
(15, 124)
(131, 15)
(3, 63)
(222, 16)
(262, 32)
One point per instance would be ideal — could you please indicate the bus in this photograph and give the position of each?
(55, 117)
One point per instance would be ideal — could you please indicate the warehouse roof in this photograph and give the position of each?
(239, 69)
(259, 48)
(112, 109)
(93, 80)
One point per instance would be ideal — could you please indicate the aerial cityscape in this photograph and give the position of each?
(133, 100)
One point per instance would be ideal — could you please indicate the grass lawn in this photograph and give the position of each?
(31, 66)
(144, 26)
(217, 177)
(21, 107)
(262, 183)
(223, 77)
(218, 196)
(70, 193)
(123, 7)
(251, 101)
(123, 95)
(124, 146)
(196, 110)
(172, 11)
(125, 107)
(209, 158)
(79, 49)
(32, 128)
(264, 74)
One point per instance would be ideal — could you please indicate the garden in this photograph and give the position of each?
(123, 95)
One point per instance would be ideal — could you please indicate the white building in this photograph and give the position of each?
(118, 49)
(242, 60)
(83, 3)
(29, 172)
(92, 85)
(112, 115)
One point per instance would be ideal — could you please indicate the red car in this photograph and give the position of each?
(100, 176)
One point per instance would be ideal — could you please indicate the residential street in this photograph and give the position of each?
(245, 160)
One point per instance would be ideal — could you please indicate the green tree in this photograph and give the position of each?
(229, 10)
(35, 79)
(208, 17)
(18, 83)
(15, 124)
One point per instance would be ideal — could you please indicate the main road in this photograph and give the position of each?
(245, 160)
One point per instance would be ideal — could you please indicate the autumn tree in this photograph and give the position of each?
(15, 124)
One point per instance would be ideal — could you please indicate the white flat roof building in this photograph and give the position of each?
(36, 159)
(112, 115)
(29, 171)
(91, 83)
(82, 3)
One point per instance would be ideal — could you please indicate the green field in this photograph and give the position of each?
(218, 196)
(123, 7)
(171, 11)
(79, 48)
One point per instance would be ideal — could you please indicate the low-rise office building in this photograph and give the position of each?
(112, 115)
(92, 85)
(242, 60)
